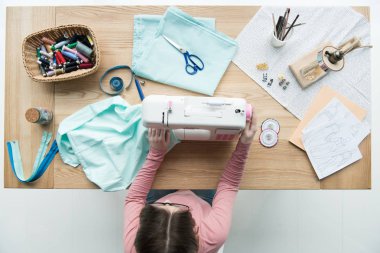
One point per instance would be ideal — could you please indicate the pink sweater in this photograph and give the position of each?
(213, 222)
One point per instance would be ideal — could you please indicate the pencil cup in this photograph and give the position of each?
(275, 42)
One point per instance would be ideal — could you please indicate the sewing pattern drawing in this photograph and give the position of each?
(332, 137)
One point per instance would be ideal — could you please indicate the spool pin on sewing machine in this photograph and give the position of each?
(197, 118)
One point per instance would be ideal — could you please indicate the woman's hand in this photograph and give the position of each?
(250, 129)
(159, 139)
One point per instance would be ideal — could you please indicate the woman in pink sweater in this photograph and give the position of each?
(181, 222)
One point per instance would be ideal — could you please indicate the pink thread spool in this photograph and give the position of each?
(82, 57)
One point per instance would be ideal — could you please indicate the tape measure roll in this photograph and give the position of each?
(116, 84)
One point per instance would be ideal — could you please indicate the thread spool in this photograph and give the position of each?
(70, 69)
(90, 40)
(82, 48)
(48, 41)
(71, 64)
(72, 45)
(58, 71)
(61, 44)
(46, 54)
(38, 52)
(86, 65)
(48, 49)
(69, 55)
(60, 57)
(43, 49)
(39, 115)
(82, 57)
(43, 72)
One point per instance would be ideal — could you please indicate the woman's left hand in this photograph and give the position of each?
(159, 139)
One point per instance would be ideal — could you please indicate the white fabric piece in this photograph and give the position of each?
(334, 24)
(332, 137)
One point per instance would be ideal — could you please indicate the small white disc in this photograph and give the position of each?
(270, 124)
(268, 138)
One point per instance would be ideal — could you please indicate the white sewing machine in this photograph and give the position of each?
(197, 118)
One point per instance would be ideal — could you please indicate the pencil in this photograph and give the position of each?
(291, 26)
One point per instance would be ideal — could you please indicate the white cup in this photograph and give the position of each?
(275, 42)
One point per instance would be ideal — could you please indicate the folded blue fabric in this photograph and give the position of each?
(145, 29)
(108, 139)
(157, 60)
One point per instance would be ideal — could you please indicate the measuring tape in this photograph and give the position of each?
(117, 84)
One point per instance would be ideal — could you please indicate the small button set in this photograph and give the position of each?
(270, 128)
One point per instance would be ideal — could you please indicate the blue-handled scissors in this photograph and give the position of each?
(193, 62)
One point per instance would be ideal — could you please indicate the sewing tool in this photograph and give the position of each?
(116, 83)
(64, 55)
(270, 128)
(262, 66)
(40, 165)
(39, 115)
(321, 61)
(265, 77)
(82, 48)
(193, 62)
(270, 82)
(282, 29)
(197, 118)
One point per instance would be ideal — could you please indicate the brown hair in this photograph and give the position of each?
(163, 232)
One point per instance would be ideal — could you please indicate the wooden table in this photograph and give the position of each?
(189, 165)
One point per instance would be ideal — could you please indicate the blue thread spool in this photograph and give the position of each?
(69, 55)
(82, 48)
(116, 83)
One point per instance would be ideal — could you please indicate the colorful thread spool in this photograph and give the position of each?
(82, 57)
(61, 44)
(82, 48)
(86, 65)
(69, 55)
(48, 41)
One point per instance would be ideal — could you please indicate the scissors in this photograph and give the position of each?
(193, 62)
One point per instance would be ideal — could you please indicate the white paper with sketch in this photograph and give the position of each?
(332, 137)
(334, 24)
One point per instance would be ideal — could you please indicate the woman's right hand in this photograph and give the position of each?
(250, 129)
(159, 139)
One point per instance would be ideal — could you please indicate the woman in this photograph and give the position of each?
(182, 222)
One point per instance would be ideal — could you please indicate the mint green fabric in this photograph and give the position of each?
(159, 61)
(145, 29)
(108, 139)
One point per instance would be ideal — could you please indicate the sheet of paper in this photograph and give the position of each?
(334, 24)
(325, 95)
(332, 137)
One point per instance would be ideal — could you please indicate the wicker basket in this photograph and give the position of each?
(32, 41)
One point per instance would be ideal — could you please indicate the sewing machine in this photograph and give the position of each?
(197, 118)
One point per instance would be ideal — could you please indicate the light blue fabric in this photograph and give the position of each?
(145, 29)
(161, 62)
(108, 139)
